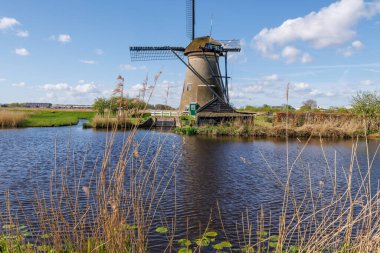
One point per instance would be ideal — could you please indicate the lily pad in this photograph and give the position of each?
(184, 242)
(273, 244)
(26, 233)
(185, 250)
(161, 230)
(293, 249)
(262, 233)
(211, 234)
(203, 242)
(46, 236)
(222, 245)
(9, 226)
(130, 227)
(274, 238)
(249, 249)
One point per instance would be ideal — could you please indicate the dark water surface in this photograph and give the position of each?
(241, 175)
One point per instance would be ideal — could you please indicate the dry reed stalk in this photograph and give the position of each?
(11, 118)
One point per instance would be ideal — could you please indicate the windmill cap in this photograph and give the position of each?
(198, 43)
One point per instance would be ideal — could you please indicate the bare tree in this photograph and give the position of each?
(309, 104)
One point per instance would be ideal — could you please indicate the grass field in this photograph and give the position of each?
(45, 117)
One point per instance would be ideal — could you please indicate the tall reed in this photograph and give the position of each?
(10, 119)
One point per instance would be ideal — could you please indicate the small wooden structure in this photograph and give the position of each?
(217, 111)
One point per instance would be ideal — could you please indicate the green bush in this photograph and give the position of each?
(188, 130)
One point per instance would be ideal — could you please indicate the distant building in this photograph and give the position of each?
(61, 106)
(37, 105)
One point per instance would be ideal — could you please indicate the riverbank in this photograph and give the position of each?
(296, 125)
(18, 118)
(276, 131)
(327, 126)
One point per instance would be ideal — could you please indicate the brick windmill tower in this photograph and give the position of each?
(204, 81)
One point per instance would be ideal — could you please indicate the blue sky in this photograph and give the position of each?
(72, 51)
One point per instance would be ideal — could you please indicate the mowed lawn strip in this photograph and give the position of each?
(51, 118)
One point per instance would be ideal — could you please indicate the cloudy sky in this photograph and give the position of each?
(72, 51)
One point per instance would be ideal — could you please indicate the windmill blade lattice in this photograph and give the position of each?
(155, 53)
(190, 19)
(231, 45)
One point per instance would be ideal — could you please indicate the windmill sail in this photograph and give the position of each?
(155, 53)
(190, 19)
(230, 45)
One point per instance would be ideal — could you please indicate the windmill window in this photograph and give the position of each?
(189, 87)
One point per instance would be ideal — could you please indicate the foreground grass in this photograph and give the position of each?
(42, 117)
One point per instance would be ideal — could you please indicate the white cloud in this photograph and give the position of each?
(300, 86)
(20, 84)
(129, 67)
(350, 50)
(63, 38)
(291, 54)
(346, 52)
(367, 82)
(2, 80)
(318, 93)
(88, 62)
(238, 95)
(82, 92)
(7, 23)
(85, 88)
(357, 44)
(99, 51)
(56, 87)
(22, 34)
(332, 25)
(273, 77)
(75, 89)
(253, 89)
(306, 58)
(22, 51)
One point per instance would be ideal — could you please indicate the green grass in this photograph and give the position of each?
(56, 118)
(263, 120)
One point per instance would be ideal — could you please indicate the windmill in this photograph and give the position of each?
(203, 79)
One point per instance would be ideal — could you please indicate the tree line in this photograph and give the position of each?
(362, 103)
(113, 104)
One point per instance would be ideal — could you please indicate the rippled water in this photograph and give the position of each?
(241, 175)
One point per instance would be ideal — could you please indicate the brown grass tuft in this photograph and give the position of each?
(9, 119)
